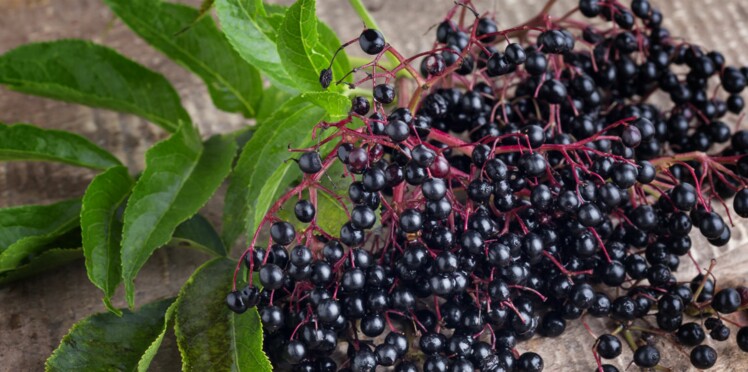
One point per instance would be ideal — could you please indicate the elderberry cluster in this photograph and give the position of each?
(537, 175)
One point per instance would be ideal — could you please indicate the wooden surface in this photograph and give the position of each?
(36, 313)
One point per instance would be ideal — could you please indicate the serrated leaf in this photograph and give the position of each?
(107, 342)
(247, 28)
(301, 54)
(47, 260)
(86, 73)
(210, 336)
(198, 233)
(336, 104)
(102, 230)
(233, 84)
(150, 352)
(330, 43)
(179, 178)
(27, 142)
(25, 230)
(272, 99)
(263, 165)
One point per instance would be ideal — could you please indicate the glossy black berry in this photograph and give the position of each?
(690, 334)
(384, 93)
(360, 105)
(295, 351)
(310, 162)
(304, 210)
(530, 362)
(703, 357)
(646, 356)
(235, 302)
(726, 301)
(609, 346)
(271, 277)
(742, 338)
(397, 130)
(371, 41)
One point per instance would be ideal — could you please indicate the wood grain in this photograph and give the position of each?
(36, 313)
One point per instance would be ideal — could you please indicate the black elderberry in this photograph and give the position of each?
(397, 130)
(646, 173)
(432, 343)
(711, 225)
(295, 351)
(282, 232)
(624, 175)
(310, 162)
(703, 357)
(364, 361)
(589, 215)
(372, 325)
(553, 91)
(350, 235)
(235, 302)
(726, 301)
(411, 220)
(398, 341)
(530, 362)
(271, 276)
(646, 356)
(536, 63)
(631, 136)
(532, 164)
(304, 211)
(690, 334)
(272, 318)
(742, 338)
(590, 8)
(720, 333)
(371, 41)
(552, 325)
(624, 308)
(384, 93)
(360, 105)
(609, 346)
(301, 256)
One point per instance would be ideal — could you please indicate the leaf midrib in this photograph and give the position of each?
(260, 155)
(171, 201)
(168, 124)
(205, 67)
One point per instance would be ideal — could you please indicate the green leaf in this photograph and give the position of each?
(47, 260)
(179, 178)
(262, 167)
(150, 352)
(249, 30)
(210, 336)
(301, 54)
(203, 10)
(272, 98)
(27, 142)
(330, 43)
(331, 214)
(107, 342)
(198, 233)
(336, 104)
(102, 230)
(25, 230)
(83, 72)
(234, 85)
